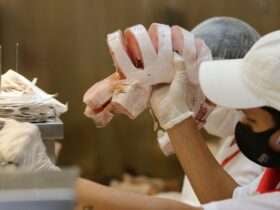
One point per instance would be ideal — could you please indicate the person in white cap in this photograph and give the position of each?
(227, 38)
(250, 85)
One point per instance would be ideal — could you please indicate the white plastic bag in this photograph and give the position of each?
(22, 100)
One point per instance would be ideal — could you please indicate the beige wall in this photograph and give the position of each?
(62, 42)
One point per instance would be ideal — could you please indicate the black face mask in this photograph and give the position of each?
(256, 147)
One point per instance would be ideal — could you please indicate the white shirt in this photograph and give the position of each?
(246, 198)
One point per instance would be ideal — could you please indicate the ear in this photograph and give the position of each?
(274, 141)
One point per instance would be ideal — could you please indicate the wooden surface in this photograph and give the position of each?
(62, 42)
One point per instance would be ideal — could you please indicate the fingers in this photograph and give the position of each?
(177, 40)
(162, 38)
(203, 51)
(184, 43)
(193, 50)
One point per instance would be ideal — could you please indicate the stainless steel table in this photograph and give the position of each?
(51, 132)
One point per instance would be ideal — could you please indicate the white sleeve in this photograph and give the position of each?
(269, 201)
(247, 190)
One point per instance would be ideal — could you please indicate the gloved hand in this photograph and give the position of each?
(194, 51)
(168, 102)
(21, 145)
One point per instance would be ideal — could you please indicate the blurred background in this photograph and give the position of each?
(63, 44)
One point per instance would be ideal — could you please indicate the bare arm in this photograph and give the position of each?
(105, 198)
(209, 180)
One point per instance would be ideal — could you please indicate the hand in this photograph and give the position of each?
(194, 51)
(21, 145)
(169, 102)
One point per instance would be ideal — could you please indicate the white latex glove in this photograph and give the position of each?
(194, 51)
(196, 98)
(221, 123)
(168, 102)
(21, 145)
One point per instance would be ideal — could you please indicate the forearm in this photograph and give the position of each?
(105, 198)
(209, 181)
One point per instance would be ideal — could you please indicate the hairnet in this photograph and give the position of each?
(227, 37)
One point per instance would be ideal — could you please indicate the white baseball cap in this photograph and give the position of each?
(251, 82)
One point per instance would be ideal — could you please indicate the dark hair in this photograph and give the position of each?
(275, 114)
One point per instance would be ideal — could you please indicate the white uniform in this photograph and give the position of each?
(248, 83)
(246, 198)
